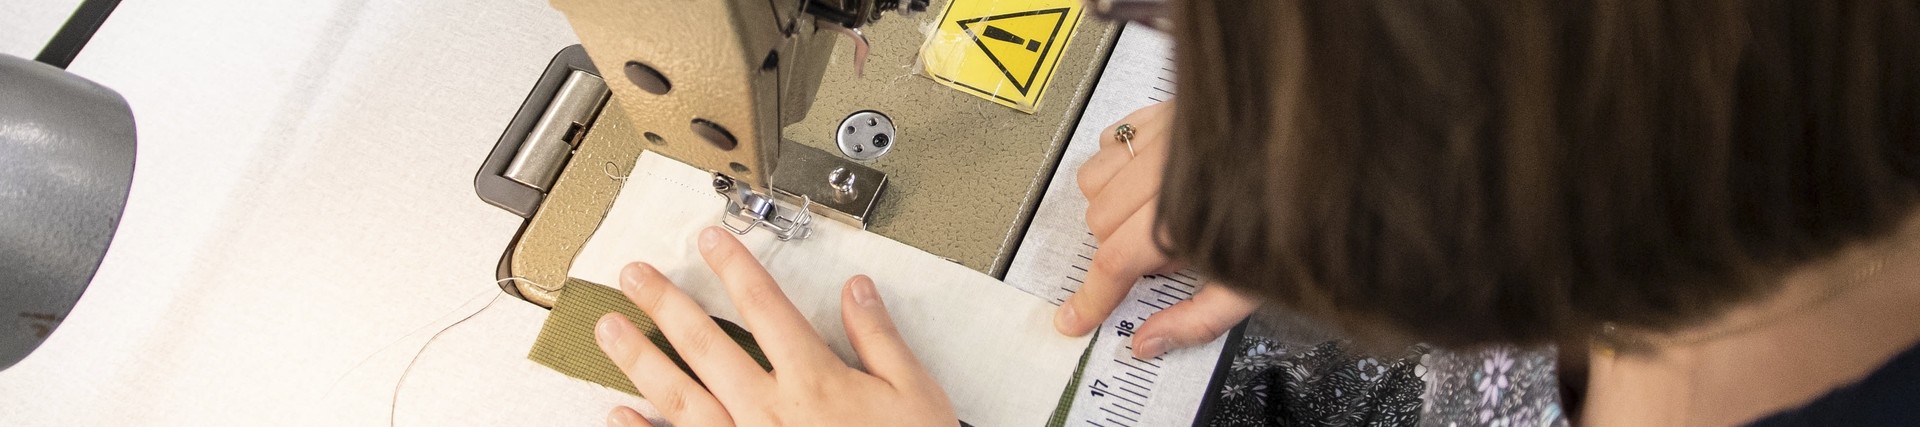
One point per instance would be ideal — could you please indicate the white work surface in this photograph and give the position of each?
(302, 202)
(27, 25)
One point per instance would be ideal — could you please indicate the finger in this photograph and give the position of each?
(1136, 185)
(784, 334)
(1097, 170)
(622, 416)
(1150, 125)
(713, 355)
(871, 331)
(1117, 264)
(1208, 315)
(1094, 173)
(677, 396)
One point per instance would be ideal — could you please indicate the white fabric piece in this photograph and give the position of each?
(991, 347)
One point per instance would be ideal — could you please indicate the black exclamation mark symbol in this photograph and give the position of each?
(1002, 35)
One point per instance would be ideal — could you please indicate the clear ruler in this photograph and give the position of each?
(1116, 389)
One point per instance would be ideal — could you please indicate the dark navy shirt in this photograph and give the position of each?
(1889, 396)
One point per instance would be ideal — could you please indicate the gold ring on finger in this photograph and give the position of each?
(1124, 133)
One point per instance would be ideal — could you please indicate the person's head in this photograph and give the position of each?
(1474, 171)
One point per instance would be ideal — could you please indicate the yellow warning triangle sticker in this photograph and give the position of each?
(1001, 50)
(1019, 58)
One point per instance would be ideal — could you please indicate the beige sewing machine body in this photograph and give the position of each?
(802, 110)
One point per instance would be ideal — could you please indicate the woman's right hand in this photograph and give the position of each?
(1122, 186)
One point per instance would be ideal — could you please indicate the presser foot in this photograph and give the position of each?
(810, 182)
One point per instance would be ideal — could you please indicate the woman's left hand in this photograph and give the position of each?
(808, 384)
(1122, 186)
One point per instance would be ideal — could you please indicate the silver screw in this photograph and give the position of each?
(841, 180)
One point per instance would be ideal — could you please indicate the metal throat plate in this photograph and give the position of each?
(837, 188)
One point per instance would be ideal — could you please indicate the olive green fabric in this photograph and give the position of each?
(566, 341)
(1066, 396)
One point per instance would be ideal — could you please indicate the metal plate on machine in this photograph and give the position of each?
(846, 190)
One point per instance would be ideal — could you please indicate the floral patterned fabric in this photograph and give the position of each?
(1497, 386)
(1277, 384)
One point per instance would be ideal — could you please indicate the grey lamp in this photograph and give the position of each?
(66, 163)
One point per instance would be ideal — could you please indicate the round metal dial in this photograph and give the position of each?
(866, 135)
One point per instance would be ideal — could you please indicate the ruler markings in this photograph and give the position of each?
(1183, 282)
(1184, 294)
(1136, 359)
(1124, 383)
(1123, 399)
(1117, 414)
(1168, 294)
(1142, 370)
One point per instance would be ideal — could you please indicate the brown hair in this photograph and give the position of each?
(1473, 171)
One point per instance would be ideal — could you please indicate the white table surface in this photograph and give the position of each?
(301, 209)
(27, 25)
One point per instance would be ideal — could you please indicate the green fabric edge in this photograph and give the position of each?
(566, 342)
(1066, 396)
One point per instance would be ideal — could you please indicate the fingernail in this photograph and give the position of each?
(708, 238)
(623, 418)
(605, 332)
(633, 276)
(864, 294)
(1151, 348)
(1065, 319)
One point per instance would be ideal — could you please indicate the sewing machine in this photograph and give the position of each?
(803, 111)
(302, 221)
